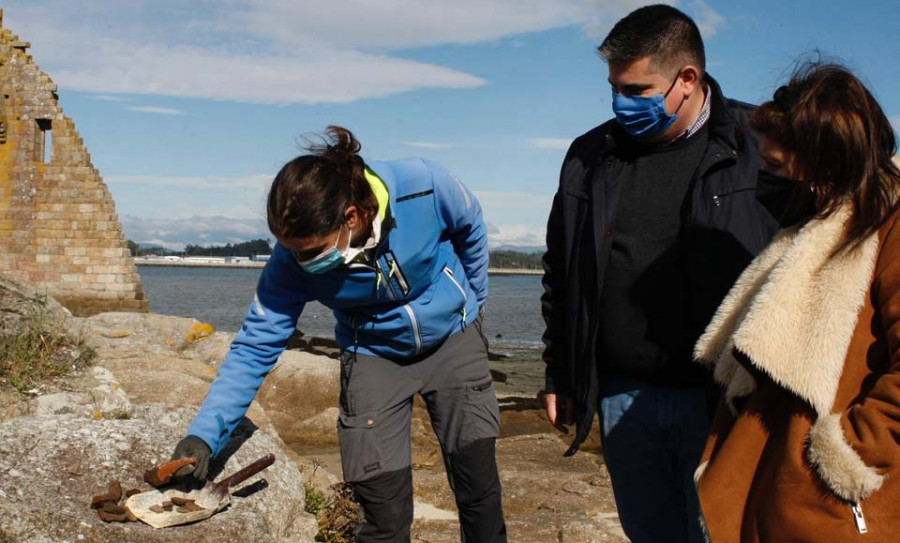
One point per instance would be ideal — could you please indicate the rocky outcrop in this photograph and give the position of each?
(51, 466)
(63, 444)
(20, 302)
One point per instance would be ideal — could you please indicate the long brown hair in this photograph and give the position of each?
(311, 192)
(842, 144)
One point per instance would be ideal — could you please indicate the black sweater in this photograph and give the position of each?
(644, 329)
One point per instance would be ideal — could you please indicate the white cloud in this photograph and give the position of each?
(515, 218)
(178, 210)
(256, 181)
(550, 143)
(398, 24)
(538, 203)
(516, 234)
(108, 98)
(175, 233)
(219, 230)
(708, 20)
(155, 110)
(428, 144)
(282, 51)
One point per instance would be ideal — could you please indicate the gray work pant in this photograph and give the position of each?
(374, 431)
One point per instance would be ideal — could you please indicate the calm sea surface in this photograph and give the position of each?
(221, 296)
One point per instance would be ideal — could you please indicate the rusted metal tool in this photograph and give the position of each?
(207, 501)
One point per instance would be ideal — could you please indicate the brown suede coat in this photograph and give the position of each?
(808, 349)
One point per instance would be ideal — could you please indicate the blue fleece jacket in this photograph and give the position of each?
(427, 282)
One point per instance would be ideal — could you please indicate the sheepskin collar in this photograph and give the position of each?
(793, 312)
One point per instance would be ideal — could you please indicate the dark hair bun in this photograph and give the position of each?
(338, 147)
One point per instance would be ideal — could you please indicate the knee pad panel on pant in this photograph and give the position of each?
(387, 505)
(474, 472)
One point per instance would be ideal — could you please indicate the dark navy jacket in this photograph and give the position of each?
(724, 227)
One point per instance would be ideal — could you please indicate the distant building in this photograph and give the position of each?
(260, 258)
(205, 259)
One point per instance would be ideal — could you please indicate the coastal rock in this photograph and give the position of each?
(132, 335)
(21, 302)
(127, 412)
(109, 400)
(300, 395)
(45, 496)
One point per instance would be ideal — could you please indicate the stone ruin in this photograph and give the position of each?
(58, 225)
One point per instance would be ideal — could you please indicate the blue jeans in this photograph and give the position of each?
(653, 438)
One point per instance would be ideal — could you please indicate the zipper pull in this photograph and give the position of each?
(859, 518)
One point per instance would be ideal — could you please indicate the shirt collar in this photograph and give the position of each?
(703, 117)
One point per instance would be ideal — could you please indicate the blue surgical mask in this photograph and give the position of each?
(644, 117)
(326, 260)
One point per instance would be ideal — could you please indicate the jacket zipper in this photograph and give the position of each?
(462, 291)
(415, 326)
(355, 330)
(386, 279)
(409, 311)
(395, 272)
(859, 518)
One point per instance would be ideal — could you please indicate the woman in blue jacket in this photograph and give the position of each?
(399, 251)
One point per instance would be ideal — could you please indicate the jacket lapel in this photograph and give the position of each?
(793, 313)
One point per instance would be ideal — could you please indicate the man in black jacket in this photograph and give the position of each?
(654, 219)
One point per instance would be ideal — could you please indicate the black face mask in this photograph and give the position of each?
(788, 200)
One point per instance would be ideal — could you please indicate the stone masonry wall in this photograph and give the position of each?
(58, 225)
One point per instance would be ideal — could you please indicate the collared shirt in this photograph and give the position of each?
(702, 118)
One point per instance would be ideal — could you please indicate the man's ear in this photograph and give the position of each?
(690, 79)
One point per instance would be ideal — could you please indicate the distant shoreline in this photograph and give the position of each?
(239, 265)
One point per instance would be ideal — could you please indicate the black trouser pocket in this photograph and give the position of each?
(361, 455)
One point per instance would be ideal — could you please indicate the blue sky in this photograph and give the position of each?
(189, 108)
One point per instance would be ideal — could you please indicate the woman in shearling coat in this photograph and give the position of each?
(807, 343)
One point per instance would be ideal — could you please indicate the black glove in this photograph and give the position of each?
(196, 447)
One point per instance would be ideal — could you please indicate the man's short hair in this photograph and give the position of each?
(665, 34)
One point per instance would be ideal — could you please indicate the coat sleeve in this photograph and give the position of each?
(270, 321)
(553, 302)
(463, 222)
(872, 425)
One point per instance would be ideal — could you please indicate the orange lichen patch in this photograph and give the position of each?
(170, 342)
(200, 330)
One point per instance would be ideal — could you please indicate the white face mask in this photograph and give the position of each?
(352, 252)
